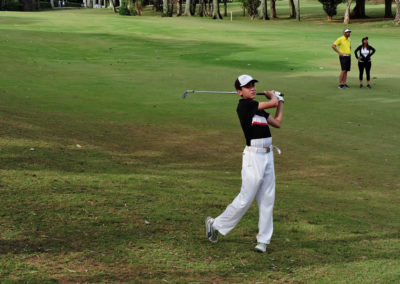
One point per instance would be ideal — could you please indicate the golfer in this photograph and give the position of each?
(343, 47)
(363, 54)
(258, 174)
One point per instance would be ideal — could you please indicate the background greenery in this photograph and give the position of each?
(106, 174)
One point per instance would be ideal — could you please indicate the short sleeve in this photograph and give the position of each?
(337, 42)
(251, 107)
(247, 108)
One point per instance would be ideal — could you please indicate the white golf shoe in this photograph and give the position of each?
(211, 233)
(261, 247)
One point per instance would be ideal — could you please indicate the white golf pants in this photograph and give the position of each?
(258, 180)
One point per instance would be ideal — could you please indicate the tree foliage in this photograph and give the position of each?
(10, 5)
(251, 7)
(330, 6)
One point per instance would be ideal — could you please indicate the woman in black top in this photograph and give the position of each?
(364, 60)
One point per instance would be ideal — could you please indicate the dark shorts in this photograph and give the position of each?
(345, 62)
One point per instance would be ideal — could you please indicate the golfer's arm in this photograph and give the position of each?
(335, 49)
(277, 120)
(271, 104)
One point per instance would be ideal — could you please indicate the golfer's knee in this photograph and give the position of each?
(245, 200)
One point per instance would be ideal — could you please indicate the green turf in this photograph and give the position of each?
(107, 174)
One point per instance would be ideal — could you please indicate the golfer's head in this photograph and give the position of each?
(245, 86)
(347, 32)
(364, 41)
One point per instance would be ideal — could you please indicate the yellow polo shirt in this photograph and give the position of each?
(343, 45)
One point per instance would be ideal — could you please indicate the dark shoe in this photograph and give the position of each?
(341, 86)
(361, 85)
(368, 86)
(345, 85)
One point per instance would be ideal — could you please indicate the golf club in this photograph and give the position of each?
(187, 92)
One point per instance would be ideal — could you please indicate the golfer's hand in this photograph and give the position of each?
(269, 94)
(340, 54)
(274, 99)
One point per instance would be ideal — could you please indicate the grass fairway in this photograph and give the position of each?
(106, 174)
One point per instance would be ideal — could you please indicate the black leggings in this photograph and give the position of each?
(367, 66)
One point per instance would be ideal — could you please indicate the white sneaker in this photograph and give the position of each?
(261, 247)
(211, 233)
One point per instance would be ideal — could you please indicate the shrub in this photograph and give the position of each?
(133, 11)
(123, 10)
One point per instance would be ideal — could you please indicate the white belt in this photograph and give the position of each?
(346, 54)
(263, 149)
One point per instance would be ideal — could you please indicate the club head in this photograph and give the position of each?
(186, 93)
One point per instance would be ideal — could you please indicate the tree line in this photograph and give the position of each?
(208, 8)
(358, 12)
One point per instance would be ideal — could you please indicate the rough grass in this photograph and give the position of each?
(106, 174)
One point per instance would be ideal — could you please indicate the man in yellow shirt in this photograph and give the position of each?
(343, 47)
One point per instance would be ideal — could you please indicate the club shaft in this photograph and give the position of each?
(219, 92)
(185, 94)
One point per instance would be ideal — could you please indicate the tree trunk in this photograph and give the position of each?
(244, 12)
(179, 8)
(138, 6)
(201, 10)
(359, 10)
(51, 4)
(187, 8)
(170, 8)
(193, 7)
(225, 8)
(388, 9)
(165, 8)
(112, 4)
(292, 9)
(397, 19)
(347, 13)
(216, 13)
(272, 9)
(264, 10)
(298, 10)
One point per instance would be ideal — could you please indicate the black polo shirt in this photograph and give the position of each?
(253, 121)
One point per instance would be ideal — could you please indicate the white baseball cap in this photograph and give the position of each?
(347, 30)
(245, 79)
